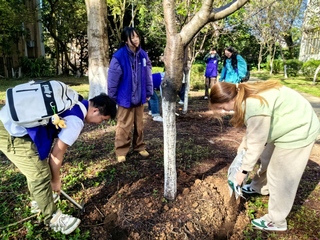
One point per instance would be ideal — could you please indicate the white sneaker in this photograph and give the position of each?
(262, 224)
(150, 113)
(181, 102)
(205, 98)
(248, 190)
(158, 119)
(35, 207)
(63, 223)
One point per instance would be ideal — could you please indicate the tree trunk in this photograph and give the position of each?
(260, 56)
(186, 93)
(315, 75)
(174, 53)
(186, 75)
(174, 56)
(97, 46)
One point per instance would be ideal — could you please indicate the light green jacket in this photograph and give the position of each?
(293, 124)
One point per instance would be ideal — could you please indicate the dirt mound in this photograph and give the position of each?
(203, 211)
(203, 208)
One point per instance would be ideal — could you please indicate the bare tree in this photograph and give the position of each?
(194, 48)
(176, 42)
(97, 46)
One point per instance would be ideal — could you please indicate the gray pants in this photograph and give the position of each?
(279, 176)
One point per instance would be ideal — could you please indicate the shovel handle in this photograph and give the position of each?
(71, 200)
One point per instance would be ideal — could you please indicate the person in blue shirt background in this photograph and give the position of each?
(234, 67)
(153, 103)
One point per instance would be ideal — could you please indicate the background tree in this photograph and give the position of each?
(275, 25)
(97, 46)
(13, 17)
(176, 43)
(66, 23)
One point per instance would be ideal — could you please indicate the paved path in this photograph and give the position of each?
(314, 101)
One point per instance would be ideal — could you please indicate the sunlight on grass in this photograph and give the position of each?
(298, 83)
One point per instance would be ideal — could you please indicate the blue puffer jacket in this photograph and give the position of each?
(130, 77)
(231, 75)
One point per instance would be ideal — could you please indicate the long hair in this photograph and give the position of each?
(224, 92)
(128, 32)
(234, 61)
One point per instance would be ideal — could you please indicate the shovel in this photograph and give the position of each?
(81, 207)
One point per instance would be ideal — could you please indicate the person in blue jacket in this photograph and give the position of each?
(234, 67)
(212, 60)
(130, 85)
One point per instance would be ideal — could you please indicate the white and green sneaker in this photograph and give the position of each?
(262, 224)
(63, 223)
(35, 207)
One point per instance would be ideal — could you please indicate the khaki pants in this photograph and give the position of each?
(22, 152)
(279, 176)
(126, 118)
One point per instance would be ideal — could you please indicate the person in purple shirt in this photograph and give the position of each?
(130, 85)
(211, 59)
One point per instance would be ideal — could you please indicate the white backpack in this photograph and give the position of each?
(34, 103)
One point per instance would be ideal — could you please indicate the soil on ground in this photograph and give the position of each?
(126, 200)
(133, 206)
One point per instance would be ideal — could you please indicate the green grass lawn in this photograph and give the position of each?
(81, 85)
(298, 83)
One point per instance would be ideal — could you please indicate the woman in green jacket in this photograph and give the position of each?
(281, 128)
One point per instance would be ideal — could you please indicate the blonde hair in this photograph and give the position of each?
(224, 92)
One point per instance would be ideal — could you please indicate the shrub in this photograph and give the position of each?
(37, 67)
(197, 76)
(308, 68)
(277, 65)
(293, 67)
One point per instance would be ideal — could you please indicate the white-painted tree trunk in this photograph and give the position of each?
(315, 75)
(173, 59)
(285, 71)
(169, 131)
(97, 46)
(186, 92)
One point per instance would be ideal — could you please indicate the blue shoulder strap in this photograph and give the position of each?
(43, 136)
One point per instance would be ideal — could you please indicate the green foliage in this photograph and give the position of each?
(238, 36)
(299, 83)
(65, 24)
(308, 68)
(12, 16)
(197, 76)
(277, 65)
(38, 67)
(151, 24)
(157, 69)
(293, 66)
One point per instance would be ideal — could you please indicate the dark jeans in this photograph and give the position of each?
(182, 91)
(154, 105)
